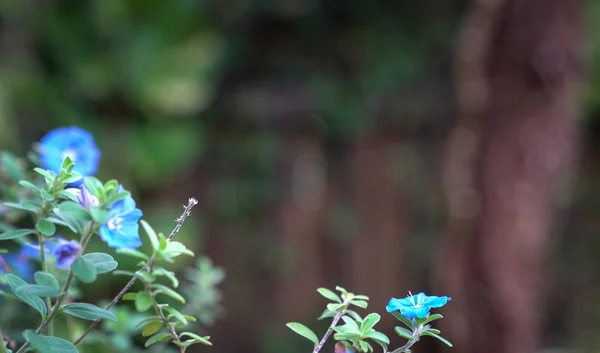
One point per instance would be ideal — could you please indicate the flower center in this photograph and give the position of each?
(71, 154)
(418, 303)
(114, 223)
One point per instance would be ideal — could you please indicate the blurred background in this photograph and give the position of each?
(442, 146)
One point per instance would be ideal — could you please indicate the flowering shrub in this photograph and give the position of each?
(357, 333)
(63, 195)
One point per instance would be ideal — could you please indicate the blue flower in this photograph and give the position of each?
(121, 230)
(65, 253)
(417, 305)
(20, 263)
(73, 142)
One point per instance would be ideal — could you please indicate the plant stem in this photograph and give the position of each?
(405, 347)
(43, 213)
(56, 308)
(334, 322)
(186, 212)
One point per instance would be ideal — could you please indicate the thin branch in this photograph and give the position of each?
(334, 322)
(186, 212)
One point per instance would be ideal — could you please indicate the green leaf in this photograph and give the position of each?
(369, 321)
(26, 184)
(303, 331)
(35, 302)
(365, 346)
(129, 296)
(74, 176)
(45, 227)
(402, 332)
(95, 187)
(174, 313)
(431, 318)
(74, 210)
(46, 195)
(151, 328)
(47, 174)
(378, 337)
(445, 341)
(46, 279)
(26, 205)
(162, 289)
(48, 344)
(170, 275)
(159, 337)
(353, 314)
(361, 297)
(143, 302)
(196, 338)
(360, 303)
(133, 253)
(148, 319)
(151, 234)
(175, 248)
(37, 290)
(327, 313)
(99, 215)
(405, 321)
(88, 312)
(341, 290)
(17, 233)
(84, 270)
(334, 307)
(101, 262)
(329, 295)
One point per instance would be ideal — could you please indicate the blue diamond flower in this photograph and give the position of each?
(73, 142)
(65, 253)
(416, 305)
(121, 230)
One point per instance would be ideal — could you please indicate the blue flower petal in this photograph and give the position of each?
(393, 305)
(436, 302)
(408, 312)
(72, 141)
(422, 312)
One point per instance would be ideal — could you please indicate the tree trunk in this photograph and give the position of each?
(517, 84)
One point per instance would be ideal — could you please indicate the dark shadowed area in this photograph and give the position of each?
(450, 147)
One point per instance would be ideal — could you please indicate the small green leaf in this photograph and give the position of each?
(151, 234)
(99, 215)
(94, 186)
(148, 319)
(159, 337)
(196, 338)
(170, 275)
(445, 341)
(35, 302)
(329, 295)
(151, 328)
(402, 332)
(303, 331)
(37, 290)
(334, 307)
(431, 318)
(74, 210)
(101, 262)
(17, 233)
(46, 195)
(361, 297)
(84, 270)
(327, 313)
(175, 248)
(88, 312)
(26, 184)
(162, 289)
(133, 253)
(353, 314)
(365, 346)
(174, 313)
(378, 337)
(48, 344)
(45, 227)
(129, 296)
(143, 302)
(369, 321)
(405, 321)
(360, 303)
(26, 205)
